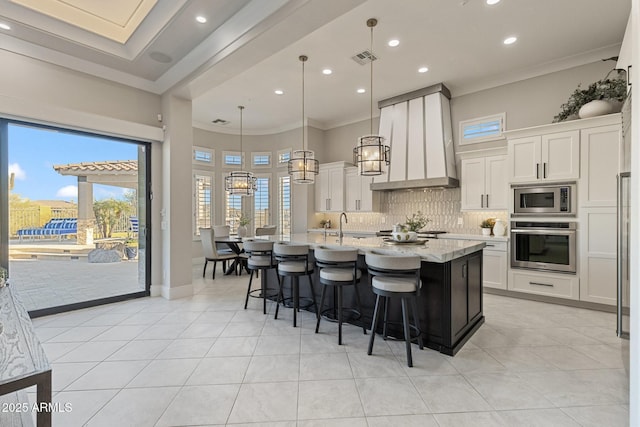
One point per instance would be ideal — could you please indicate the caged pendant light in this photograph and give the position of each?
(303, 167)
(240, 183)
(371, 155)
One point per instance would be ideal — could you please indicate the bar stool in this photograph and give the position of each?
(395, 277)
(293, 262)
(338, 268)
(259, 258)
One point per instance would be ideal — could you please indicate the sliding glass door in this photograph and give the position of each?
(74, 212)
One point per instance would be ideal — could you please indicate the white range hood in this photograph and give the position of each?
(417, 127)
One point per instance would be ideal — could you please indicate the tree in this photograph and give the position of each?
(107, 213)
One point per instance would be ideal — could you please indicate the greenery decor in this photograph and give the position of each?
(416, 222)
(244, 220)
(488, 223)
(614, 89)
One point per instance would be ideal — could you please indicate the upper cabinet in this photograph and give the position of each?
(484, 183)
(549, 157)
(359, 197)
(330, 187)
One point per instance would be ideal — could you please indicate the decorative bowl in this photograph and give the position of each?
(404, 236)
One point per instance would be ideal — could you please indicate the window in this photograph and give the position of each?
(482, 129)
(232, 210)
(203, 156)
(231, 158)
(261, 160)
(283, 157)
(261, 212)
(202, 201)
(284, 204)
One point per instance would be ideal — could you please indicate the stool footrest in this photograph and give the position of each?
(330, 314)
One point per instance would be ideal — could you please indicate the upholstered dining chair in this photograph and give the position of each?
(266, 230)
(212, 253)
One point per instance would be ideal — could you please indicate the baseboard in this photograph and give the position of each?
(175, 292)
(552, 300)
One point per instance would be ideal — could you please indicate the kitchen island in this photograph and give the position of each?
(450, 301)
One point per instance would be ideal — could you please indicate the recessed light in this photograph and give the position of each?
(327, 71)
(361, 90)
(510, 40)
(423, 69)
(201, 19)
(393, 42)
(278, 92)
(4, 26)
(492, 2)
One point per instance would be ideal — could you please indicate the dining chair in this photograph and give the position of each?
(212, 253)
(266, 230)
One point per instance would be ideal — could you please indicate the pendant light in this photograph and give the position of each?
(240, 183)
(371, 155)
(303, 167)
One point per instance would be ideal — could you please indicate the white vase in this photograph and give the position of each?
(499, 228)
(242, 231)
(486, 232)
(595, 108)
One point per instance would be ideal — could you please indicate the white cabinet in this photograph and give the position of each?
(548, 284)
(494, 265)
(599, 159)
(330, 187)
(359, 197)
(549, 157)
(484, 183)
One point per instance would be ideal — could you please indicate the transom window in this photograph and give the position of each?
(488, 128)
(203, 156)
(231, 158)
(262, 159)
(283, 157)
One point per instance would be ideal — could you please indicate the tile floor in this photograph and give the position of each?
(205, 361)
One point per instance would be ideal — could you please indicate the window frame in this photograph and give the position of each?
(269, 177)
(501, 117)
(279, 154)
(255, 154)
(201, 163)
(226, 165)
(194, 200)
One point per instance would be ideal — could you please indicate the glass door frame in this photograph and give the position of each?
(144, 229)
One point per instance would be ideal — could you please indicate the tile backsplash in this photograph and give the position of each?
(441, 206)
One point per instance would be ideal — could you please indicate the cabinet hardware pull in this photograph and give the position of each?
(544, 174)
(541, 284)
(464, 271)
(537, 170)
(489, 246)
(482, 200)
(487, 200)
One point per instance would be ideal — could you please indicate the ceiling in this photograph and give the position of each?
(249, 48)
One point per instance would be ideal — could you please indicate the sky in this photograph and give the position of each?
(34, 151)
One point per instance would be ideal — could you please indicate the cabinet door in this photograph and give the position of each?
(472, 184)
(561, 156)
(598, 265)
(366, 203)
(474, 285)
(496, 186)
(599, 148)
(494, 269)
(353, 191)
(524, 159)
(322, 190)
(459, 295)
(336, 189)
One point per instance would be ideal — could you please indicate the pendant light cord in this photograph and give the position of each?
(303, 59)
(371, 89)
(241, 162)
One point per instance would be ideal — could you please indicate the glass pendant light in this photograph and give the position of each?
(240, 183)
(371, 155)
(303, 167)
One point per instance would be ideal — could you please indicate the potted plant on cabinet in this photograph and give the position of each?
(602, 97)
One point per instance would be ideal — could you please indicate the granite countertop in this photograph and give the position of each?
(474, 237)
(434, 250)
(334, 231)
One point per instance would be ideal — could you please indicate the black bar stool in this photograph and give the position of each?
(259, 258)
(395, 277)
(338, 268)
(293, 262)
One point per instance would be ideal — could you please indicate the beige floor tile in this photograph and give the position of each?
(125, 408)
(451, 393)
(199, 405)
(390, 396)
(162, 373)
(264, 402)
(328, 399)
(220, 370)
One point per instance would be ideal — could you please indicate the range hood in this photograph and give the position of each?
(417, 127)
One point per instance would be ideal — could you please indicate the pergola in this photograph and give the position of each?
(117, 173)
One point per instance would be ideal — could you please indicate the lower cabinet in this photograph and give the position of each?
(495, 265)
(553, 285)
(466, 293)
(598, 266)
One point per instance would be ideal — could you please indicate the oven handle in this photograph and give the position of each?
(544, 231)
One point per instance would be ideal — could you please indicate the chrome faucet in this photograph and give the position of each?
(340, 233)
